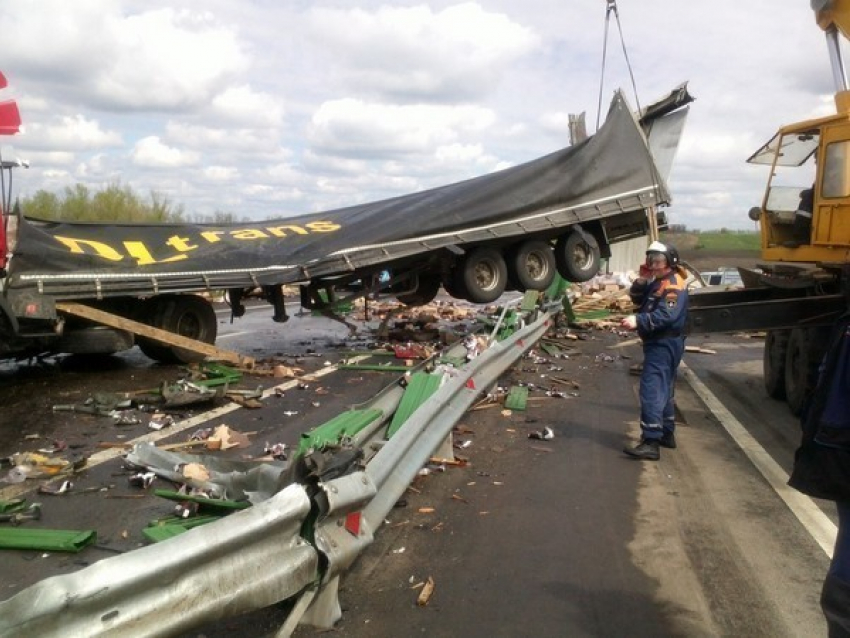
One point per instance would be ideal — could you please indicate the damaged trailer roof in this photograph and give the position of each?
(612, 171)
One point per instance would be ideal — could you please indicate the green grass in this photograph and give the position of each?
(715, 241)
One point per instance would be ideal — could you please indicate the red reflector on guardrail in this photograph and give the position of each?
(352, 523)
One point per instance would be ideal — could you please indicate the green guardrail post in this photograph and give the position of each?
(46, 540)
(419, 389)
(346, 424)
(172, 526)
(557, 288)
(517, 398)
(218, 374)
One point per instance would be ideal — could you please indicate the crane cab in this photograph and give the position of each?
(810, 169)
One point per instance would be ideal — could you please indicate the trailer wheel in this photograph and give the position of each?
(805, 352)
(577, 256)
(531, 265)
(185, 315)
(427, 287)
(483, 275)
(775, 349)
(454, 286)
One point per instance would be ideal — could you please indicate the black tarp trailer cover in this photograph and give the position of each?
(609, 173)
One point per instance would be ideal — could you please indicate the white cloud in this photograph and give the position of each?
(150, 152)
(220, 173)
(218, 138)
(351, 126)
(97, 52)
(70, 133)
(193, 56)
(245, 108)
(414, 51)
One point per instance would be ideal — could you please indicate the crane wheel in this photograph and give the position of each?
(775, 349)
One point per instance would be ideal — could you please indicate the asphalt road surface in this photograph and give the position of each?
(560, 537)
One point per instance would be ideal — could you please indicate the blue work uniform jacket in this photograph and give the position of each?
(662, 306)
(822, 462)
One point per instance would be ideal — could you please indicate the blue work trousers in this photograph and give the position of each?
(835, 597)
(840, 566)
(661, 359)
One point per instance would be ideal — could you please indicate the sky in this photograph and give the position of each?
(271, 108)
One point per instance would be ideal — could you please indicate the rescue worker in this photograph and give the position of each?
(661, 297)
(822, 468)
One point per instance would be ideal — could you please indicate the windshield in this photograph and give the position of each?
(794, 149)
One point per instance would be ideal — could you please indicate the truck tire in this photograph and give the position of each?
(577, 256)
(94, 340)
(185, 315)
(806, 347)
(453, 286)
(775, 349)
(482, 274)
(531, 265)
(427, 287)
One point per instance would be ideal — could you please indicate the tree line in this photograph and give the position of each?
(113, 203)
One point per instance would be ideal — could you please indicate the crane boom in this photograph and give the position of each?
(833, 16)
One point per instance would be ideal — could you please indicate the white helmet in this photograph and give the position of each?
(669, 252)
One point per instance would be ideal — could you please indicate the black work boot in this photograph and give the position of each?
(668, 440)
(646, 450)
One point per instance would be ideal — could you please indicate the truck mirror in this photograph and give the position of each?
(755, 213)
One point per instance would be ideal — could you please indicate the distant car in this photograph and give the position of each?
(722, 277)
(726, 277)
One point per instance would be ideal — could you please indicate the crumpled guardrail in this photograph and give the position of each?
(392, 469)
(248, 560)
(257, 557)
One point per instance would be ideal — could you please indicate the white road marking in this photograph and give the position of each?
(232, 334)
(817, 524)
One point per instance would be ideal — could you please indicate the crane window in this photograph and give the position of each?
(836, 180)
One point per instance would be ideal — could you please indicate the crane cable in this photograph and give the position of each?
(609, 9)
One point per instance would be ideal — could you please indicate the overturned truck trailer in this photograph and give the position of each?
(512, 229)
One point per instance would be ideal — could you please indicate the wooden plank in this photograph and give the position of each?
(144, 330)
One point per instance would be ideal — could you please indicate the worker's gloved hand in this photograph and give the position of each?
(629, 323)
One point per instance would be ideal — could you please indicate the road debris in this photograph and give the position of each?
(58, 446)
(426, 593)
(276, 451)
(49, 540)
(186, 393)
(224, 438)
(547, 434)
(160, 420)
(31, 513)
(29, 465)
(195, 471)
(62, 488)
(142, 479)
(98, 404)
(700, 350)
